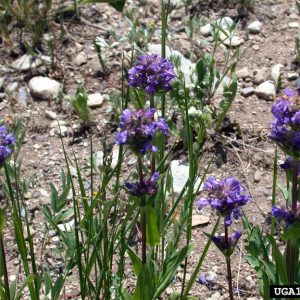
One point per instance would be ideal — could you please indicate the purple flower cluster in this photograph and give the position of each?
(206, 279)
(288, 164)
(225, 247)
(147, 187)
(286, 126)
(225, 196)
(6, 140)
(138, 128)
(282, 214)
(152, 73)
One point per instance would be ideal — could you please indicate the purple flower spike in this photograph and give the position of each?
(282, 214)
(147, 187)
(152, 73)
(286, 124)
(227, 248)
(6, 140)
(138, 128)
(225, 196)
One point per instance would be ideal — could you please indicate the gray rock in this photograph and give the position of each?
(250, 281)
(266, 90)
(261, 75)
(22, 97)
(243, 73)
(2, 96)
(94, 65)
(1, 83)
(248, 91)
(44, 88)
(80, 59)
(95, 100)
(186, 66)
(293, 25)
(255, 47)
(206, 30)
(255, 27)
(257, 176)
(292, 76)
(50, 115)
(2, 105)
(26, 62)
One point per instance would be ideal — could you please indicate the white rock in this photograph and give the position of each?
(261, 75)
(61, 131)
(266, 90)
(66, 227)
(193, 112)
(51, 115)
(180, 174)
(55, 124)
(293, 25)
(243, 73)
(254, 27)
(250, 281)
(95, 100)
(26, 62)
(292, 76)
(186, 66)
(198, 220)
(230, 40)
(80, 59)
(276, 72)
(1, 83)
(206, 30)
(44, 88)
(22, 97)
(11, 88)
(115, 156)
(225, 23)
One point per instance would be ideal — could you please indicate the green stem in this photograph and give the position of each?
(190, 197)
(291, 244)
(228, 265)
(5, 274)
(143, 214)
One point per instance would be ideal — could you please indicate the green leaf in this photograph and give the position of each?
(170, 268)
(79, 104)
(145, 287)
(135, 260)
(56, 289)
(2, 220)
(117, 4)
(152, 234)
(28, 280)
(280, 262)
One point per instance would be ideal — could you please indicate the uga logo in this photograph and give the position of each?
(278, 291)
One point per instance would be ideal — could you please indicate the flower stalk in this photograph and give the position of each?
(228, 264)
(291, 244)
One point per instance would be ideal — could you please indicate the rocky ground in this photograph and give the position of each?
(33, 91)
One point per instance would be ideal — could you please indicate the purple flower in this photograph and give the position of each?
(225, 196)
(286, 124)
(227, 247)
(288, 164)
(206, 279)
(138, 128)
(147, 187)
(152, 73)
(283, 214)
(6, 140)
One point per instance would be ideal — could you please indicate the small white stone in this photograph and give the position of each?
(243, 73)
(255, 27)
(266, 90)
(292, 76)
(95, 100)
(293, 25)
(80, 59)
(51, 115)
(44, 88)
(26, 62)
(276, 72)
(206, 30)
